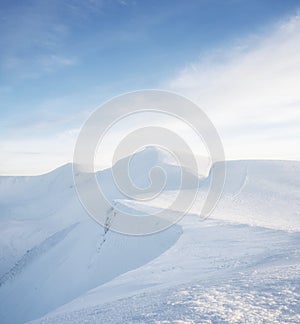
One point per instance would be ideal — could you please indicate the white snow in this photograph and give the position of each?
(240, 265)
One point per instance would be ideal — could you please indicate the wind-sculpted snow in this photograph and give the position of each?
(220, 266)
(56, 260)
(56, 272)
(267, 296)
(35, 252)
(257, 193)
(262, 193)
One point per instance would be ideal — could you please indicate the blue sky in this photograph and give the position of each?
(61, 59)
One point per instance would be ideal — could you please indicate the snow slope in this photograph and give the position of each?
(60, 254)
(57, 264)
(257, 192)
(211, 259)
(255, 297)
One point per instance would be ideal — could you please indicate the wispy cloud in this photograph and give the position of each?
(63, 59)
(33, 36)
(251, 91)
(32, 155)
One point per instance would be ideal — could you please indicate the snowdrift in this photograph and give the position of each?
(52, 252)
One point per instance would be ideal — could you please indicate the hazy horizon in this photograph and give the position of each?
(237, 60)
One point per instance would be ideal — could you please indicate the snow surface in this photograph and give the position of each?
(240, 265)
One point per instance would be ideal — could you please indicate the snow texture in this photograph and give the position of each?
(239, 266)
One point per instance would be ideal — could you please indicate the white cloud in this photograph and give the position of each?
(31, 156)
(40, 140)
(251, 91)
(54, 61)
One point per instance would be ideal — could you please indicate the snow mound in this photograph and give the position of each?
(262, 193)
(52, 253)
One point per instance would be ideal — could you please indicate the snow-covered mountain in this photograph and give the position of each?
(58, 265)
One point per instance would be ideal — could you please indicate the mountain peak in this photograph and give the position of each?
(154, 155)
